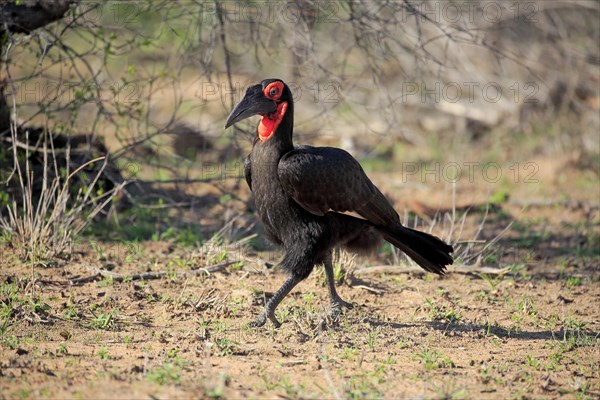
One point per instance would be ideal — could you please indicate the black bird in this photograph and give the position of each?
(301, 193)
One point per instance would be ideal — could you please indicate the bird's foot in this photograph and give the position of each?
(262, 319)
(337, 304)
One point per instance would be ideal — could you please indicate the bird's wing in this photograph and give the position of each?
(248, 171)
(322, 179)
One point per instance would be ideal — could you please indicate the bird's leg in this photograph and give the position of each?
(272, 304)
(336, 302)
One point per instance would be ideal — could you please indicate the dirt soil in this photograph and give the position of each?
(529, 332)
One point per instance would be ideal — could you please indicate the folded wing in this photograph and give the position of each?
(322, 179)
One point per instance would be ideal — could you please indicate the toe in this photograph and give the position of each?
(262, 319)
(258, 322)
(339, 303)
(276, 323)
(349, 306)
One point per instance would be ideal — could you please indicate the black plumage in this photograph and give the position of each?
(301, 193)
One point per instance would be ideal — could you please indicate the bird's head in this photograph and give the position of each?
(272, 100)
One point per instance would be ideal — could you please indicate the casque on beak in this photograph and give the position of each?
(253, 103)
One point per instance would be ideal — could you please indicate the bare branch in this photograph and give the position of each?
(100, 273)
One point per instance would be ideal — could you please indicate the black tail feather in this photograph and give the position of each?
(430, 252)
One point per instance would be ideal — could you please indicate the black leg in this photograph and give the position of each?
(272, 304)
(336, 302)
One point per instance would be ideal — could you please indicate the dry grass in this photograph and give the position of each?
(42, 224)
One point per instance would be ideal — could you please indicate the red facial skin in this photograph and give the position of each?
(269, 123)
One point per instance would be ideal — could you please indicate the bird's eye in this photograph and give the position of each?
(273, 90)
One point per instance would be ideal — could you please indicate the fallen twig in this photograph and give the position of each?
(291, 363)
(463, 269)
(402, 269)
(100, 273)
(370, 289)
(85, 279)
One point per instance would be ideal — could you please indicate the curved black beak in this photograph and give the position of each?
(253, 103)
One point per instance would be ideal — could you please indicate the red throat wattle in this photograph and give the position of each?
(268, 123)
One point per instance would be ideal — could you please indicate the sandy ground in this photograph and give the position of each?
(530, 332)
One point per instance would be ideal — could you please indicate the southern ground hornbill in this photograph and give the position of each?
(301, 193)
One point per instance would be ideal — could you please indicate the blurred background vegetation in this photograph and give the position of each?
(144, 87)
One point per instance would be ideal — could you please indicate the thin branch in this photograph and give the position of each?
(100, 273)
(404, 269)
